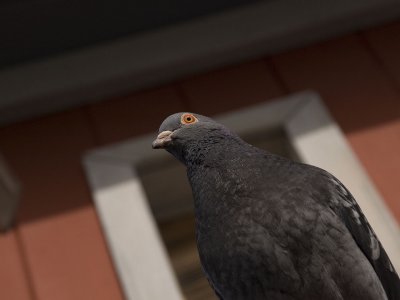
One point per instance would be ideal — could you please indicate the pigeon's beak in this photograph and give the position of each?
(162, 140)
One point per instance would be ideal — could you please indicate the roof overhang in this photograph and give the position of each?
(168, 53)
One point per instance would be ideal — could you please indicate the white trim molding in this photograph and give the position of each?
(129, 225)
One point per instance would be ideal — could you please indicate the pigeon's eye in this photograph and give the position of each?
(188, 119)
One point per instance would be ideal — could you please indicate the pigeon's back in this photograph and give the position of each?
(270, 228)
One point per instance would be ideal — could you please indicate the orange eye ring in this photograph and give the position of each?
(188, 119)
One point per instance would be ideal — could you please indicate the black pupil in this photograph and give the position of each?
(188, 119)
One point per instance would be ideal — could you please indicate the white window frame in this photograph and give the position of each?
(132, 236)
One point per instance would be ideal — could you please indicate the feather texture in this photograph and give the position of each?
(271, 228)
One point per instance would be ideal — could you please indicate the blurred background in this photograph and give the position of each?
(77, 75)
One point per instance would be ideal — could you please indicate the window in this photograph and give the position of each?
(120, 177)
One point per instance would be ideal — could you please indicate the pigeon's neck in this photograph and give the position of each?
(214, 152)
(219, 177)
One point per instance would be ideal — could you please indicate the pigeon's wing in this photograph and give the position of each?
(345, 206)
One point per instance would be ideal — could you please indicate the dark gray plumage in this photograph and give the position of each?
(271, 228)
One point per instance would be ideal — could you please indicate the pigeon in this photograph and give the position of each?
(271, 228)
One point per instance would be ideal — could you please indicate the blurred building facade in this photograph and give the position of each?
(56, 249)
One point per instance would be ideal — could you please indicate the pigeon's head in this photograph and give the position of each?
(188, 133)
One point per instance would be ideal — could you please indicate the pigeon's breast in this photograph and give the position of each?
(254, 241)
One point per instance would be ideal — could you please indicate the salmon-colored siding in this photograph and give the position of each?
(384, 41)
(61, 245)
(14, 278)
(57, 250)
(230, 88)
(135, 114)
